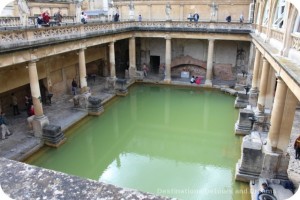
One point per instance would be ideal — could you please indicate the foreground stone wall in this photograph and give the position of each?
(22, 181)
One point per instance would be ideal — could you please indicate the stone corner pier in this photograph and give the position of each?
(23, 181)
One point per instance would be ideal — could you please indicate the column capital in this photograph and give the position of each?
(211, 40)
(168, 37)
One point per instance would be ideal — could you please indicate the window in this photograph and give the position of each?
(266, 13)
(279, 14)
(297, 24)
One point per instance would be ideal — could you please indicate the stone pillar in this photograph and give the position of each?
(181, 17)
(150, 12)
(209, 65)
(112, 60)
(254, 89)
(168, 60)
(40, 120)
(132, 59)
(270, 90)
(263, 86)
(287, 121)
(82, 71)
(276, 117)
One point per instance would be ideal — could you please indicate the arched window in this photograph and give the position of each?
(297, 24)
(266, 13)
(279, 14)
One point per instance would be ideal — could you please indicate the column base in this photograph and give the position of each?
(95, 106)
(38, 124)
(262, 122)
(132, 72)
(84, 90)
(208, 83)
(253, 97)
(275, 164)
(166, 80)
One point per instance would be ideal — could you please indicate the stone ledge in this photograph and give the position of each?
(23, 181)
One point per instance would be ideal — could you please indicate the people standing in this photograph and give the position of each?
(297, 148)
(196, 17)
(58, 17)
(241, 18)
(3, 123)
(46, 17)
(228, 18)
(145, 70)
(74, 87)
(116, 17)
(83, 18)
(15, 106)
(140, 18)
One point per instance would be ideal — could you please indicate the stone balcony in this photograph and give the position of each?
(16, 38)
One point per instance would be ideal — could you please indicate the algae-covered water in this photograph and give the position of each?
(170, 141)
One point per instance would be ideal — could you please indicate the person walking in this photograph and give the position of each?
(4, 130)
(228, 18)
(297, 148)
(46, 17)
(241, 18)
(140, 18)
(15, 104)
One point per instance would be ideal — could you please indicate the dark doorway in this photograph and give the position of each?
(154, 64)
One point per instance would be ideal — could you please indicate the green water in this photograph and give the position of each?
(169, 141)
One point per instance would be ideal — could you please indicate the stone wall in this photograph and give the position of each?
(22, 181)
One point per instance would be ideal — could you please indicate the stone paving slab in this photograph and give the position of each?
(21, 182)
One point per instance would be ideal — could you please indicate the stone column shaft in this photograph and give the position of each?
(82, 69)
(35, 89)
(276, 117)
(132, 58)
(168, 60)
(112, 60)
(254, 88)
(263, 85)
(287, 121)
(209, 66)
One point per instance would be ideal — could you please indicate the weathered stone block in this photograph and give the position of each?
(52, 134)
(223, 72)
(95, 106)
(241, 100)
(243, 126)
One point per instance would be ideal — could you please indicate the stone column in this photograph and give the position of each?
(40, 120)
(132, 59)
(263, 86)
(82, 70)
(209, 66)
(181, 17)
(254, 87)
(150, 12)
(287, 121)
(270, 90)
(168, 60)
(276, 117)
(112, 60)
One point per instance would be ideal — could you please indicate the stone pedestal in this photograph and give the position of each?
(262, 123)
(81, 100)
(53, 135)
(250, 165)
(243, 126)
(121, 88)
(241, 101)
(132, 72)
(95, 106)
(38, 123)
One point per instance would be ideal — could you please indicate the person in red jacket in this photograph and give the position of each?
(46, 17)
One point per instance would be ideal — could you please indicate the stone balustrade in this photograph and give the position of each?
(13, 38)
(296, 41)
(277, 35)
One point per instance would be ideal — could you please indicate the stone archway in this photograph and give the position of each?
(189, 64)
